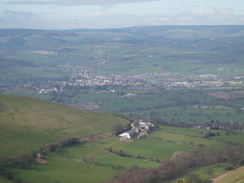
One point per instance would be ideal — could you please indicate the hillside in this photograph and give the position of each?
(27, 123)
(53, 53)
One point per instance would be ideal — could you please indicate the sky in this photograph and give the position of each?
(99, 14)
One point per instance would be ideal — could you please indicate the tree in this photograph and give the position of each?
(209, 171)
(91, 158)
(118, 129)
(192, 178)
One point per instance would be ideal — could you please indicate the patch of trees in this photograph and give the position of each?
(118, 129)
(120, 152)
(210, 134)
(62, 143)
(27, 160)
(180, 164)
(227, 126)
(125, 154)
(23, 160)
(10, 177)
(6, 63)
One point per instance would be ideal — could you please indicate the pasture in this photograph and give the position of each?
(172, 106)
(85, 162)
(232, 176)
(182, 139)
(30, 123)
(89, 161)
(63, 169)
(32, 59)
(151, 147)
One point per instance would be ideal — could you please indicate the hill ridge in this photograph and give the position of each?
(34, 122)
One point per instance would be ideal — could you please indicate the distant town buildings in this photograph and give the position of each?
(146, 81)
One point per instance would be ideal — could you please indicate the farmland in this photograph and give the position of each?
(186, 80)
(27, 123)
(142, 71)
(87, 161)
(82, 159)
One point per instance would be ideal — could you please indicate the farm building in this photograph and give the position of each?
(128, 134)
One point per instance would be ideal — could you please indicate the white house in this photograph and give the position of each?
(145, 125)
(128, 134)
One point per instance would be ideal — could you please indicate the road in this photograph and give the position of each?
(98, 137)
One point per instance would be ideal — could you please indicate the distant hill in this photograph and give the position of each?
(147, 49)
(154, 35)
(27, 123)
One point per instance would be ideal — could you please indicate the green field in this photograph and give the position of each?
(62, 169)
(150, 147)
(201, 172)
(182, 139)
(173, 106)
(236, 137)
(88, 162)
(235, 176)
(30, 123)
(69, 166)
(44, 59)
(97, 151)
(217, 171)
(50, 64)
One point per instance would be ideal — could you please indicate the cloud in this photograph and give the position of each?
(19, 19)
(20, 14)
(100, 18)
(210, 16)
(96, 14)
(211, 11)
(203, 11)
(75, 2)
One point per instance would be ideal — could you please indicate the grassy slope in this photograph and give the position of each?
(27, 123)
(233, 176)
(150, 147)
(68, 164)
(62, 169)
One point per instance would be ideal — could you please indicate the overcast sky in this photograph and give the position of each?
(72, 14)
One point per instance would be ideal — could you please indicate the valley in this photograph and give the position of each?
(67, 95)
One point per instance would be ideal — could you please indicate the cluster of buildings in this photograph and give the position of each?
(147, 81)
(144, 81)
(221, 126)
(117, 79)
(138, 128)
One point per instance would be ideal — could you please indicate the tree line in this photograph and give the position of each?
(182, 163)
(27, 160)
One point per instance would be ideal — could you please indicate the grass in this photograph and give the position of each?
(68, 165)
(235, 176)
(62, 169)
(29, 123)
(114, 160)
(96, 150)
(193, 136)
(237, 136)
(28, 93)
(186, 131)
(216, 170)
(182, 139)
(219, 170)
(151, 147)
(3, 180)
(165, 104)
